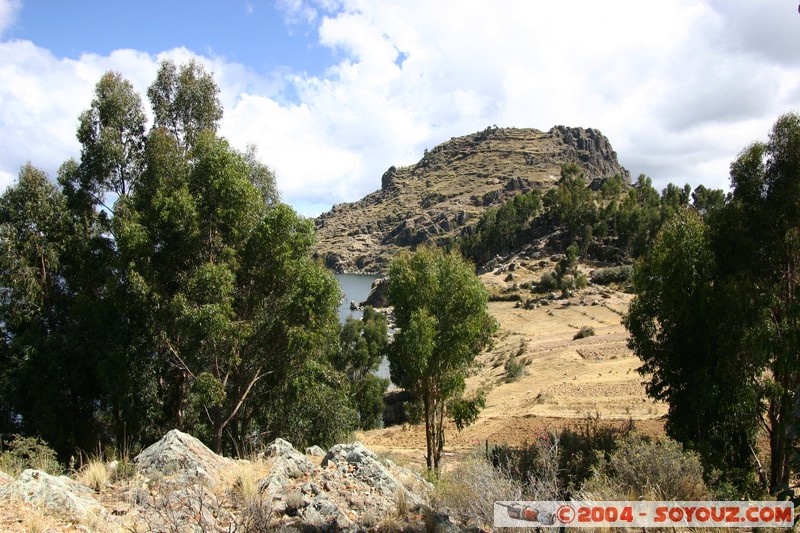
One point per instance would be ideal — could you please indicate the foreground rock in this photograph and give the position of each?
(57, 495)
(351, 489)
(180, 453)
(181, 485)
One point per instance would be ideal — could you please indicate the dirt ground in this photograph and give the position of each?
(564, 381)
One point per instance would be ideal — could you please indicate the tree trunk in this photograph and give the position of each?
(428, 430)
(779, 468)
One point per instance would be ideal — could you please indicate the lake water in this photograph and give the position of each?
(356, 288)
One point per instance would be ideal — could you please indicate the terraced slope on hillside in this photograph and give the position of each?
(445, 193)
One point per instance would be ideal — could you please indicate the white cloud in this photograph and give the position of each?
(678, 86)
(8, 13)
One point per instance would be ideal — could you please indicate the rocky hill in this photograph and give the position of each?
(445, 193)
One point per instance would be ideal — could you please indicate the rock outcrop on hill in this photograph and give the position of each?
(445, 193)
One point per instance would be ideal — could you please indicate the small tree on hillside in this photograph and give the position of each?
(443, 321)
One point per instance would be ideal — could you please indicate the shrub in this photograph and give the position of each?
(514, 369)
(585, 331)
(469, 491)
(585, 446)
(547, 283)
(21, 453)
(617, 274)
(579, 450)
(659, 470)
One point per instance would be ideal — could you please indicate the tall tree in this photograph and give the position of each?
(766, 218)
(717, 318)
(185, 101)
(111, 134)
(49, 316)
(443, 321)
(234, 296)
(683, 325)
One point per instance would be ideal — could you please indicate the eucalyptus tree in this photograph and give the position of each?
(441, 312)
(716, 318)
(112, 136)
(185, 101)
(49, 353)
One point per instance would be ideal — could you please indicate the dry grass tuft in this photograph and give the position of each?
(94, 474)
(243, 480)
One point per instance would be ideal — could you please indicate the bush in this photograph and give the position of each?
(585, 446)
(547, 283)
(21, 453)
(514, 369)
(617, 274)
(469, 491)
(585, 331)
(579, 451)
(659, 470)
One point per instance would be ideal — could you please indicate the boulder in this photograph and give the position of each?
(180, 453)
(58, 495)
(315, 451)
(288, 464)
(356, 461)
(378, 294)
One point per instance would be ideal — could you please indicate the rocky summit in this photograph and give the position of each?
(444, 194)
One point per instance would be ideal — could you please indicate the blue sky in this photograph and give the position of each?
(333, 92)
(252, 33)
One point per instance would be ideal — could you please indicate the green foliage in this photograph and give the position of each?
(716, 320)
(609, 275)
(53, 323)
(20, 453)
(363, 345)
(112, 136)
(657, 470)
(501, 230)
(441, 311)
(311, 408)
(572, 204)
(465, 411)
(619, 216)
(185, 101)
(681, 328)
(565, 277)
(764, 217)
(191, 302)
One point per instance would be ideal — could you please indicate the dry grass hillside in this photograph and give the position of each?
(450, 187)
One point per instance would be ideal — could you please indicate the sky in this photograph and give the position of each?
(333, 92)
